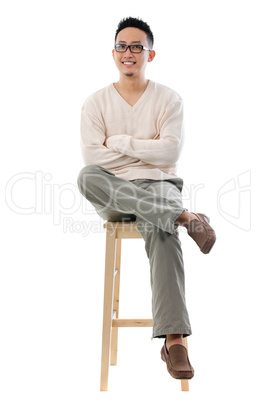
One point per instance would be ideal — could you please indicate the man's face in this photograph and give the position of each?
(128, 63)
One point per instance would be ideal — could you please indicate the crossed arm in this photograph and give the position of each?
(117, 150)
(105, 142)
(165, 151)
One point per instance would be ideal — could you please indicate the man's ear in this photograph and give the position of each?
(113, 52)
(151, 56)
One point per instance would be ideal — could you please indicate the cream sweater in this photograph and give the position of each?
(132, 152)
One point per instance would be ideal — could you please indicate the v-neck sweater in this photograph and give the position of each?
(132, 151)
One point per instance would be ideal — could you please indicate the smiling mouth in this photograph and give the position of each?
(128, 62)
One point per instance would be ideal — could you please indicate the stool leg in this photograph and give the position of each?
(184, 383)
(108, 307)
(114, 335)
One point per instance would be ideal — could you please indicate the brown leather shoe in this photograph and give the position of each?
(202, 233)
(177, 361)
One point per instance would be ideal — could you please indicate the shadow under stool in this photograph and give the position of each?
(115, 232)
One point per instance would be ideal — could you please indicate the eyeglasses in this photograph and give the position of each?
(120, 48)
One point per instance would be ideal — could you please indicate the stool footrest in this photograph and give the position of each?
(118, 322)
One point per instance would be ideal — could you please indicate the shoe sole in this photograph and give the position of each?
(208, 245)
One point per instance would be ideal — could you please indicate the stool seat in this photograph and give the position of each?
(115, 232)
(123, 230)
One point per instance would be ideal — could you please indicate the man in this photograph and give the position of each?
(131, 138)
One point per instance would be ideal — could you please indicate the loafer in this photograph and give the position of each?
(203, 234)
(177, 362)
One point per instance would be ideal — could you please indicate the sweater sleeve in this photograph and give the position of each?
(164, 151)
(92, 139)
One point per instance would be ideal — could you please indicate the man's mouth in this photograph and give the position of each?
(128, 62)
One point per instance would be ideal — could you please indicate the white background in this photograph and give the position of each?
(53, 244)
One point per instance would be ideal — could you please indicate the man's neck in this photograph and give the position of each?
(131, 85)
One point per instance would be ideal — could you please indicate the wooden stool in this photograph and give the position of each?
(116, 231)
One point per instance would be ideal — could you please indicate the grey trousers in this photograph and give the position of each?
(154, 205)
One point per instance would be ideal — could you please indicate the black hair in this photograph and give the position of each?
(136, 23)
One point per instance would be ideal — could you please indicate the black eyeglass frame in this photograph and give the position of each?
(129, 46)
